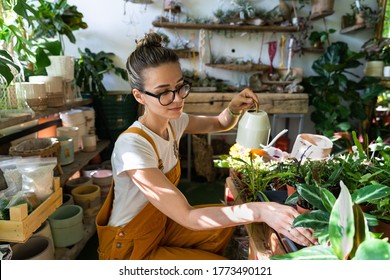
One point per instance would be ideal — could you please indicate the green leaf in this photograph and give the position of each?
(311, 194)
(318, 252)
(328, 199)
(361, 229)
(341, 224)
(292, 199)
(373, 249)
(316, 220)
(370, 193)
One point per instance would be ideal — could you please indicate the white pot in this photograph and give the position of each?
(311, 146)
(253, 129)
(386, 71)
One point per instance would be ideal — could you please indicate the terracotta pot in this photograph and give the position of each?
(290, 190)
(302, 210)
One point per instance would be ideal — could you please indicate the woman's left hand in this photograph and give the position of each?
(245, 100)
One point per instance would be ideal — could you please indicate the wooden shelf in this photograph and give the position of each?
(353, 28)
(9, 118)
(248, 67)
(323, 14)
(263, 28)
(273, 103)
(81, 159)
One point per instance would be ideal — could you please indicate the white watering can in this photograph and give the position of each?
(254, 130)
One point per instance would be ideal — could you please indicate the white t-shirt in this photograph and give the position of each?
(132, 151)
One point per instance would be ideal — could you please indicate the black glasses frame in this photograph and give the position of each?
(176, 91)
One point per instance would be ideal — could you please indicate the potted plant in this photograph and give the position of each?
(349, 236)
(342, 100)
(90, 69)
(33, 32)
(253, 172)
(374, 54)
(319, 38)
(364, 14)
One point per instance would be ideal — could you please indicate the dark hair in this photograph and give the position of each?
(148, 53)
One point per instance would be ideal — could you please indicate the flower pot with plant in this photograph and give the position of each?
(340, 98)
(318, 39)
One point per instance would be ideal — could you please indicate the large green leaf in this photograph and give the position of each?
(311, 194)
(361, 229)
(341, 224)
(373, 249)
(316, 220)
(328, 199)
(370, 193)
(318, 252)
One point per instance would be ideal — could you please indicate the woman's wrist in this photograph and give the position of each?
(233, 114)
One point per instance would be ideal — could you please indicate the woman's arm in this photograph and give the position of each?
(169, 200)
(225, 120)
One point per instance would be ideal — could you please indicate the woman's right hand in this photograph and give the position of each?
(280, 218)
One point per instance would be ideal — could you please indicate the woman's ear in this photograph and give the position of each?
(138, 96)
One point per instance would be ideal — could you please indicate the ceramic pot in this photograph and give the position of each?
(44, 230)
(73, 183)
(54, 89)
(67, 199)
(66, 225)
(89, 198)
(66, 150)
(73, 132)
(311, 146)
(89, 143)
(386, 71)
(35, 248)
(253, 129)
(374, 68)
(103, 178)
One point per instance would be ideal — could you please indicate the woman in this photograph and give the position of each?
(145, 215)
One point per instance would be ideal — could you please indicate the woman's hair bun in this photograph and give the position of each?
(150, 40)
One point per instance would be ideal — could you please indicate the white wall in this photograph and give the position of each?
(114, 26)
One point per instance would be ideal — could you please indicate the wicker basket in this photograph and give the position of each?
(44, 147)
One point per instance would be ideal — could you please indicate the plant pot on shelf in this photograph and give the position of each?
(321, 8)
(374, 68)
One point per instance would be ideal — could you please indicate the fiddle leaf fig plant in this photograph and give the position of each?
(349, 236)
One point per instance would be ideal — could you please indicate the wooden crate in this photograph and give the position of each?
(264, 242)
(21, 226)
(272, 103)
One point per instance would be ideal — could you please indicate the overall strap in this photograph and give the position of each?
(141, 132)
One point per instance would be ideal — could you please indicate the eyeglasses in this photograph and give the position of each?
(165, 98)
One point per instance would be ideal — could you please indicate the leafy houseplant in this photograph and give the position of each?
(349, 236)
(30, 30)
(341, 101)
(90, 69)
(319, 38)
(256, 173)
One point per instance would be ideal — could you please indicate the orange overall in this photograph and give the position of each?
(152, 235)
